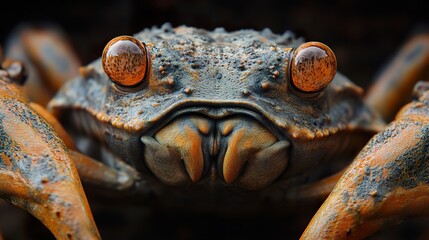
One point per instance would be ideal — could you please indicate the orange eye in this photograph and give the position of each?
(313, 66)
(125, 61)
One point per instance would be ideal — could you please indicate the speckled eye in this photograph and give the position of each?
(125, 61)
(313, 66)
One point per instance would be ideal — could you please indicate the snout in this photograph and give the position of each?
(238, 149)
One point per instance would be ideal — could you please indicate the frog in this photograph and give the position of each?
(216, 121)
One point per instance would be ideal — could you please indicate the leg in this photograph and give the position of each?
(314, 191)
(36, 171)
(91, 171)
(387, 182)
(392, 89)
(101, 175)
(48, 57)
(52, 62)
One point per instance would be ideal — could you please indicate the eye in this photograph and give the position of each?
(313, 67)
(125, 61)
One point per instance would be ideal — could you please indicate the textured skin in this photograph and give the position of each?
(36, 171)
(386, 183)
(217, 120)
(219, 75)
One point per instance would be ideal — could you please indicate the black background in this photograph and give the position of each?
(363, 34)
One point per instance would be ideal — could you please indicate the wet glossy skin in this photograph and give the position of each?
(219, 109)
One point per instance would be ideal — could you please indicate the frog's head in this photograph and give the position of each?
(242, 108)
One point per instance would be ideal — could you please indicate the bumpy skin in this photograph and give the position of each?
(386, 183)
(216, 118)
(211, 89)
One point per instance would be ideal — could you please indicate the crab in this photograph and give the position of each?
(217, 121)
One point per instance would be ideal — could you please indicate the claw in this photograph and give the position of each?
(90, 170)
(164, 162)
(99, 174)
(174, 146)
(266, 166)
(37, 172)
(387, 182)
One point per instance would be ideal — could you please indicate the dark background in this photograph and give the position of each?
(363, 34)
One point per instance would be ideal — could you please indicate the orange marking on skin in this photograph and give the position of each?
(396, 146)
(6, 160)
(233, 161)
(8, 90)
(24, 136)
(242, 145)
(55, 124)
(258, 138)
(60, 205)
(368, 215)
(188, 142)
(13, 185)
(402, 202)
(202, 125)
(227, 128)
(194, 156)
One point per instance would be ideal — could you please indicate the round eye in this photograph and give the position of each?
(313, 66)
(125, 61)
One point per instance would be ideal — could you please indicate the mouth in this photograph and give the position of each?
(235, 146)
